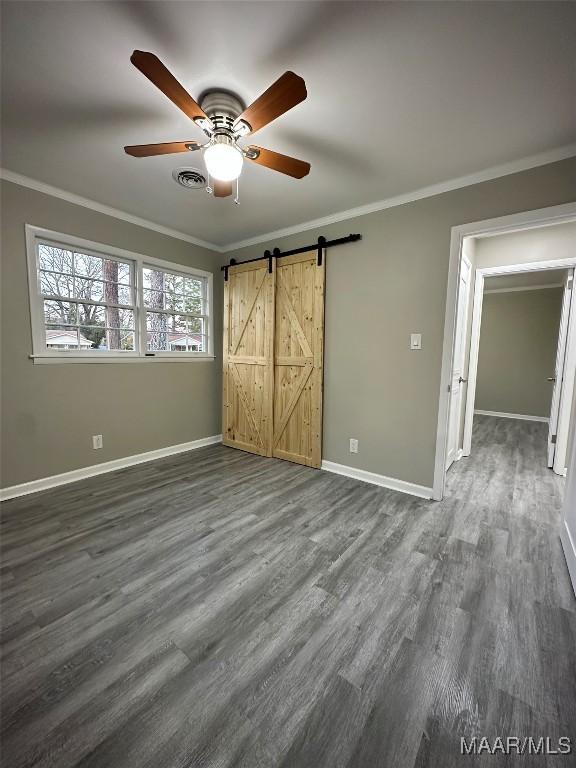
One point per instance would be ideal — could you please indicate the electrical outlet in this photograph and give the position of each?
(97, 442)
(353, 445)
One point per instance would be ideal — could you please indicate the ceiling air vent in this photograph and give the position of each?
(191, 178)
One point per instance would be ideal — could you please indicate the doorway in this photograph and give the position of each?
(463, 239)
(556, 352)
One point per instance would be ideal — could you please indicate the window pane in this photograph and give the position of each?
(54, 259)
(153, 299)
(125, 319)
(60, 312)
(125, 295)
(115, 339)
(194, 306)
(198, 343)
(91, 338)
(153, 278)
(191, 342)
(196, 325)
(61, 337)
(157, 327)
(175, 301)
(124, 273)
(88, 266)
(194, 287)
(56, 284)
(91, 314)
(110, 272)
(127, 340)
(89, 289)
(177, 323)
(173, 283)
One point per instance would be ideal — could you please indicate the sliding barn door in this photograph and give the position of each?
(248, 358)
(298, 352)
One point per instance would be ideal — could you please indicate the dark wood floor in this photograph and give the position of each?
(219, 609)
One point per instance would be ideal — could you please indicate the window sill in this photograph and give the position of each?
(81, 359)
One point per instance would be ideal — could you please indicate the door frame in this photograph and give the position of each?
(481, 273)
(515, 222)
(461, 399)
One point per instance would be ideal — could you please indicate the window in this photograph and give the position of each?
(175, 306)
(88, 301)
(96, 302)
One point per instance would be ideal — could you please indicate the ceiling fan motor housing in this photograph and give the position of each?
(223, 108)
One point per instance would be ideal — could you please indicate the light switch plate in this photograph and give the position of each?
(415, 341)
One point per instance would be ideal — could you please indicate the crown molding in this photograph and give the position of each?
(70, 197)
(506, 169)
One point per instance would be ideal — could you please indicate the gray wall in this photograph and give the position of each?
(383, 288)
(557, 241)
(378, 291)
(518, 342)
(50, 412)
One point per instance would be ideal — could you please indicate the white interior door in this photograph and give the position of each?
(568, 527)
(559, 368)
(564, 384)
(458, 379)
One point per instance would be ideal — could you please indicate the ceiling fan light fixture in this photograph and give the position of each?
(223, 159)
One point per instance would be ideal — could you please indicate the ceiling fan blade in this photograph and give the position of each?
(222, 188)
(277, 162)
(151, 66)
(285, 93)
(169, 148)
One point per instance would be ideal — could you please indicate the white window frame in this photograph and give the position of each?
(174, 269)
(40, 354)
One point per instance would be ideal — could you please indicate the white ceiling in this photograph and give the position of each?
(400, 96)
(551, 277)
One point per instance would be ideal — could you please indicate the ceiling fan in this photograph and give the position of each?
(224, 119)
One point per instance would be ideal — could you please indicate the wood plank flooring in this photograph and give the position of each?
(221, 609)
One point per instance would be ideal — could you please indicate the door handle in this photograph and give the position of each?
(551, 378)
(462, 381)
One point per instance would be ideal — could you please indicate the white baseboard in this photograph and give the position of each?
(521, 416)
(569, 547)
(107, 466)
(371, 477)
